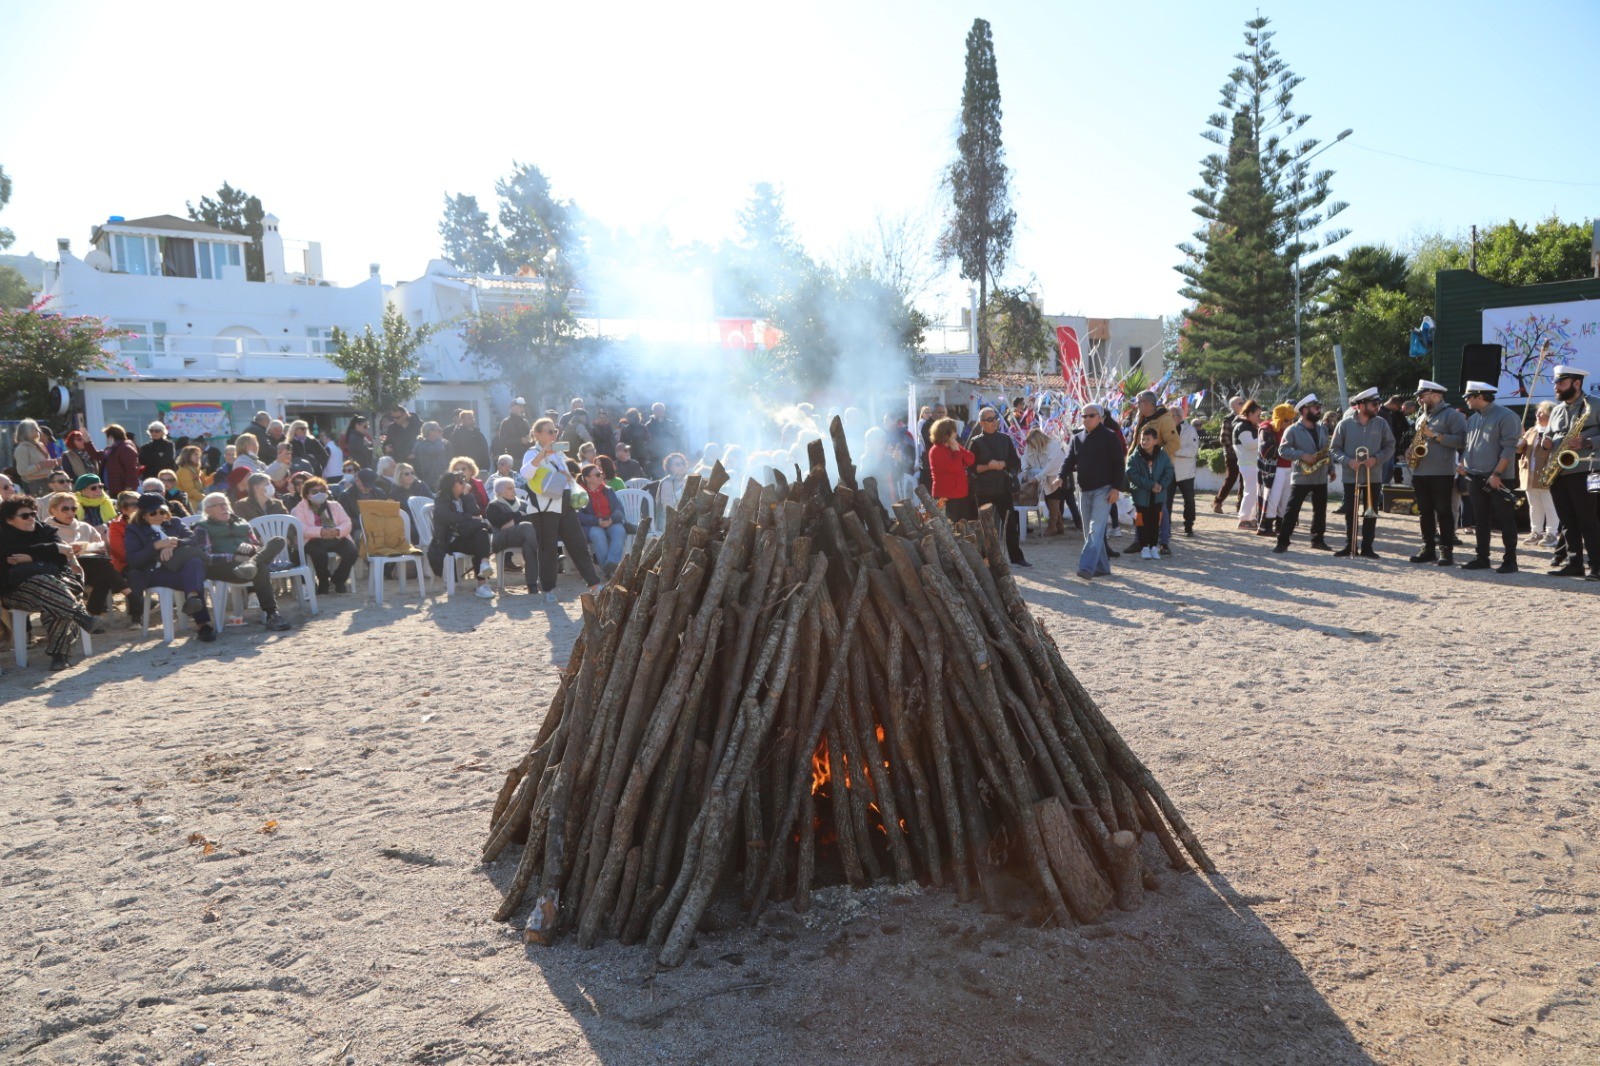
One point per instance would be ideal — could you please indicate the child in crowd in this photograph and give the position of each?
(1152, 478)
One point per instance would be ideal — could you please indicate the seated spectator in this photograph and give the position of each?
(459, 527)
(609, 469)
(94, 506)
(260, 498)
(8, 488)
(628, 467)
(432, 455)
(669, 490)
(246, 453)
(510, 521)
(601, 518)
(191, 478)
(281, 467)
(297, 487)
(407, 485)
(385, 470)
(710, 455)
(79, 457)
(100, 575)
(174, 494)
(347, 476)
(506, 466)
(327, 530)
(60, 481)
(587, 454)
(235, 554)
(116, 533)
(364, 486)
(162, 553)
(468, 469)
(40, 573)
(154, 484)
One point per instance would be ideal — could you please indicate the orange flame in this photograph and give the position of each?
(819, 767)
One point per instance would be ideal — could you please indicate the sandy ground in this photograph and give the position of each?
(1394, 767)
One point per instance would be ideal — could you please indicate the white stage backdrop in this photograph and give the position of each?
(1573, 330)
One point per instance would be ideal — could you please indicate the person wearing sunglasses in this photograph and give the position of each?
(601, 518)
(60, 513)
(1095, 455)
(162, 553)
(40, 573)
(95, 505)
(994, 472)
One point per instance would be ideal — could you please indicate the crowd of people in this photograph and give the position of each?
(81, 525)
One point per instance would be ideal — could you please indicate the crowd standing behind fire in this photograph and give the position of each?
(82, 524)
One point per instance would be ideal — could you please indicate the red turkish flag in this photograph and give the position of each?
(737, 332)
(1071, 359)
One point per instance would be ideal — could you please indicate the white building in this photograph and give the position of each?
(207, 337)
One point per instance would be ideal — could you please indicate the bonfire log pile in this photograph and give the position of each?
(813, 690)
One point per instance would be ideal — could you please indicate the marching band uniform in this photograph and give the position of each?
(1301, 441)
(1377, 438)
(1433, 476)
(1491, 452)
(1580, 525)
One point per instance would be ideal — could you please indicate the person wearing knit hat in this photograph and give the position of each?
(161, 553)
(1277, 500)
(1306, 443)
(1443, 430)
(1235, 405)
(94, 503)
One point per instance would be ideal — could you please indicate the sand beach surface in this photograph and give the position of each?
(267, 849)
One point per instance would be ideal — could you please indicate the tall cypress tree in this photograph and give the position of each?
(978, 234)
(1258, 201)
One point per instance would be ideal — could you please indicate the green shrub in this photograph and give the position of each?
(1215, 458)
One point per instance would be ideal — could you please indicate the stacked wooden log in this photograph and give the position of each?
(813, 690)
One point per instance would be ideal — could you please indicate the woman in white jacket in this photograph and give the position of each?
(1042, 459)
(1183, 467)
(555, 521)
(1247, 444)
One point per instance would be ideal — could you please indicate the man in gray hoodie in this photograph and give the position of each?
(1362, 443)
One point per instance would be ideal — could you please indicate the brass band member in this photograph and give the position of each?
(1489, 463)
(1575, 427)
(1362, 429)
(1305, 445)
(1441, 431)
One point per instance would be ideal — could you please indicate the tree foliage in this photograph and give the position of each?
(1259, 204)
(1023, 340)
(39, 349)
(979, 231)
(14, 288)
(382, 369)
(236, 211)
(535, 233)
(534, 345)
(7, 238)
(471, 242)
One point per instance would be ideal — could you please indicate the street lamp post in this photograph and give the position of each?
(1298, 170)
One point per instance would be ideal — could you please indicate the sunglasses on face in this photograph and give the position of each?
(27, 514)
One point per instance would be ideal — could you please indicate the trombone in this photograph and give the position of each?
(1366, 494)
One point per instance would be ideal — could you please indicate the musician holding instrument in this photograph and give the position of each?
(1361, 444)
(1306, 445)
(1489, 463)
(1570, 453)
(1441, 433)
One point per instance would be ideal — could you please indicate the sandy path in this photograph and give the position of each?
(1397, 785)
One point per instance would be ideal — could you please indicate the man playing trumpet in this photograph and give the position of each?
(1441, 433)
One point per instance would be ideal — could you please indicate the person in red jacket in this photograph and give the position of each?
(948, 462)
(120, 467)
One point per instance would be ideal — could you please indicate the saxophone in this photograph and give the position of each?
(1419, 441)
(1566, 457)
(1316, 461)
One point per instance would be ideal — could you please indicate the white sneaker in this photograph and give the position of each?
(550, 597)
(1144, 553)
(484, 592)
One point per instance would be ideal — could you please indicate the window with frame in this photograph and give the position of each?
(1134, 356)
(319, 340)
(134, 254)
(214, 256)
(146, 340)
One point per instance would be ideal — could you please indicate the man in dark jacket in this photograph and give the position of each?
(604, 433)
(158, 454)
(1095, 457)
(365, 486)
(467, 439)
(257, 427)
(400, 433)
(991, 479)
(512, 436)
(665, 434)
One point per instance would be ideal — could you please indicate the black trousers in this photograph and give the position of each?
(1149, 524)
(553, 530)
(1230, 479)
(103, 578)
(1369, 526)
(1186, 490)
(1491, 506)
(1576, 509)
(1319, 511)
(1436, 509)
(1005, 515)
(318, 549)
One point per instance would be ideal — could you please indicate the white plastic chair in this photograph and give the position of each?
(636, 482)
(637, 506)
(19, 637)
(377, 565)
(289, 528)
(164, 602)
(424, 516)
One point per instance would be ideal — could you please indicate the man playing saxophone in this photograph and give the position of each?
(1441, 433)
(1361, 444)
(1574, 427)
(1489, 463)
(1305, 445)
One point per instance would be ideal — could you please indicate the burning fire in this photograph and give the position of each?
(819, 767)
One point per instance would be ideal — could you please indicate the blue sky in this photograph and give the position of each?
(351, 121)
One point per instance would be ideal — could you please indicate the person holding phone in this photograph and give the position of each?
(544, 468)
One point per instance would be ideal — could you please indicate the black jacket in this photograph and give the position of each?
(311, 451)
(158, 455)
(40, 543)
(989, 448)
(1095, 456)
(468, 441)
(512, 437)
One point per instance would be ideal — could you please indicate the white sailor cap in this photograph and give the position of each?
(1307, 400)
(1565, 371)
(1365, 395)
(1479, 386)
(1424, 385)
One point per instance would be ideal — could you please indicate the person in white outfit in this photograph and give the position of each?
(1247, 445)
(1531, 459)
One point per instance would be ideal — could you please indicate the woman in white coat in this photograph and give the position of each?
(1247, 444)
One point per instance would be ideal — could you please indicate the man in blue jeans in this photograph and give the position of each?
(1095, 456)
